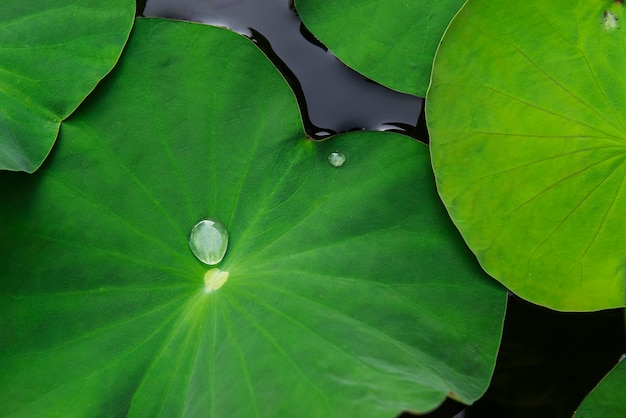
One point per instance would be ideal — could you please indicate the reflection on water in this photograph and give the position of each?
(332, 97)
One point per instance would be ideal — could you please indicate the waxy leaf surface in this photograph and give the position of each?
(606, 399)
(52, 55)
(527, 117)
(344, 291)
(392, 42)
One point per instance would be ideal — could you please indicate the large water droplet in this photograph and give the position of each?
(209, 241)
(336, 158)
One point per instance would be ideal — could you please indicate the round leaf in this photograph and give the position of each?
(528, 130)
(344, 291)
(52, 55)
(392, 42)
(607, 399)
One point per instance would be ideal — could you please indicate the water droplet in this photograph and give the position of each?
(209, 241)
(214, 279)
(609, 21)
(337, 158)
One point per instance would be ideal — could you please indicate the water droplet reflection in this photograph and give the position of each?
(336, 159)
(214, 279)
(209, 241)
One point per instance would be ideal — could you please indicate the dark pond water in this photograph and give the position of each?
(332, 97)
(548, 360)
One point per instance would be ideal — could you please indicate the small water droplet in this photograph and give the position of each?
(214, 279)
(609, 21)
(336, 158)
(209, 241)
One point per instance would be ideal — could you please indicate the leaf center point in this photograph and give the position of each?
(214, 279)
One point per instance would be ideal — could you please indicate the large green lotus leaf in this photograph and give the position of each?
(390, 41)
(349, 291)
(607, 399)
(52, 55)
(527, 117)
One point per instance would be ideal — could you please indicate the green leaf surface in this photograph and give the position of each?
(349, 291)
(52, 55)
(606, 399)
(526, 113)
(392, 42)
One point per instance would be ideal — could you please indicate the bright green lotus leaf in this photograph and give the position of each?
(390, 41)
(527, 117)
(344, 291)
(607, 399)
(52, 55)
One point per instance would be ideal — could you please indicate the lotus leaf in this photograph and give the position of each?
(528, 141)
(344, 290)
(607, 399)
(392, 42)
(52, 55)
